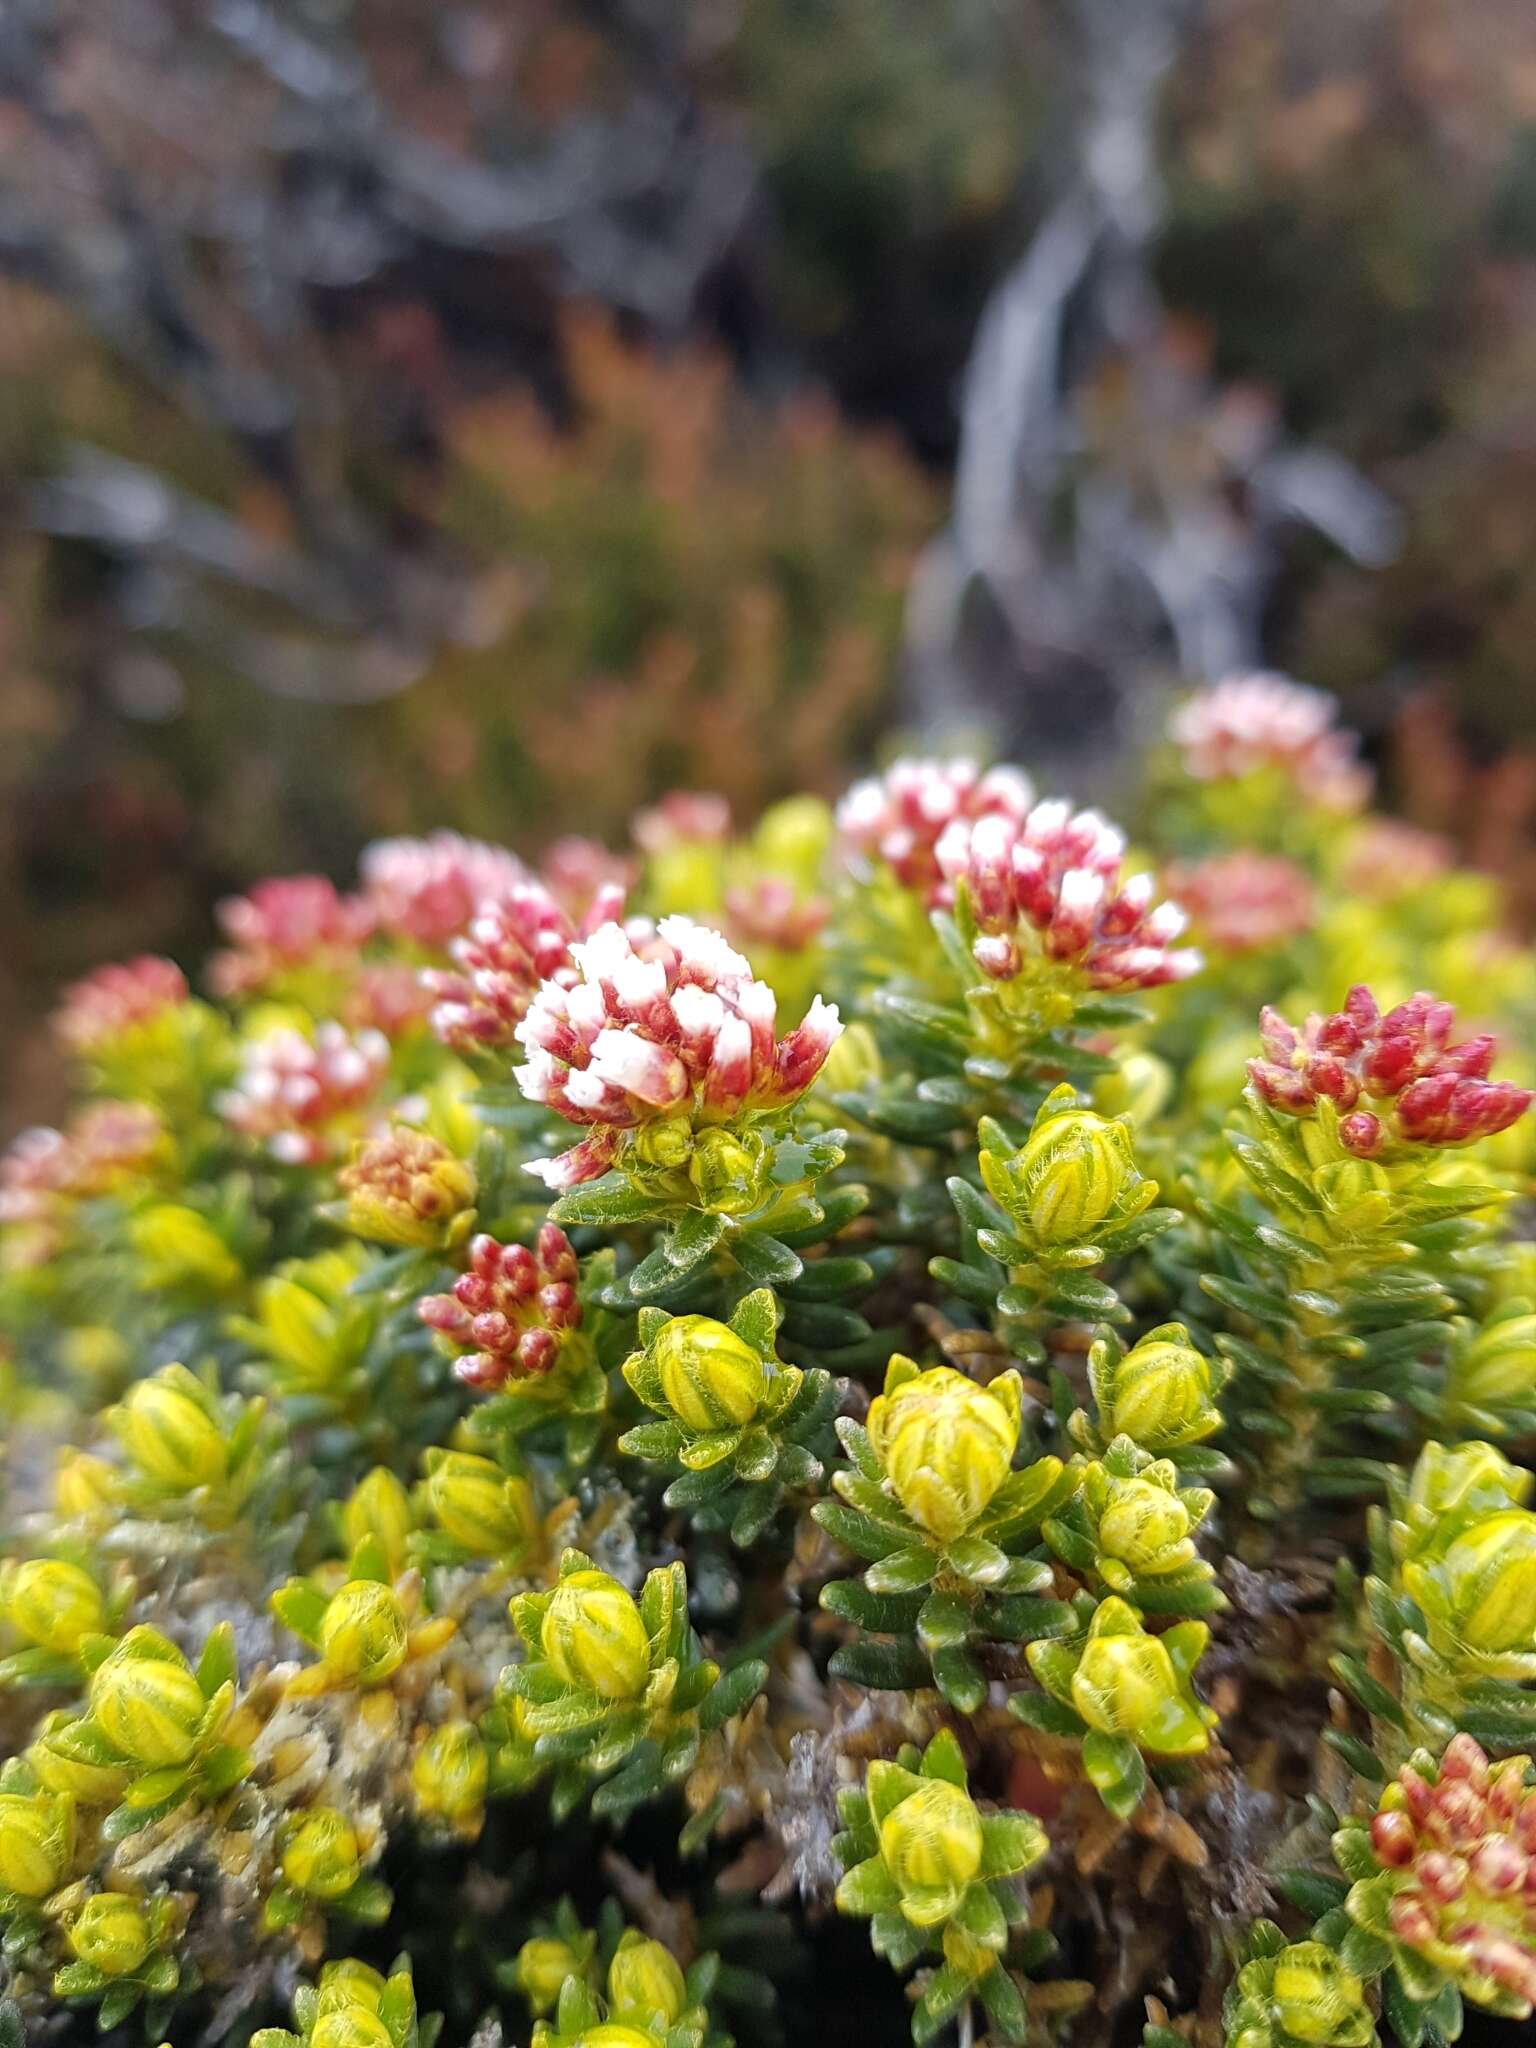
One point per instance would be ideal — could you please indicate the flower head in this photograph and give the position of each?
(1426, 1090)
(287, 925)
(900, 817)
(406, 1188)
(117, 1000)
(1047, 888)
(427, 890)
(1454, 1842)
(512, 945)
(510, 1310)
(679, 1032)
(303, 1096)
(684, 816)
(1245, 902)
(1249, 723)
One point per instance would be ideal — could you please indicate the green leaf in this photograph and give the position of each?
(1113, 1766)
(858, 1533)
(902, 1571)
(765, 1259)
(890, 1614)
(604, 1203)
(1361, 1759)
(732, 1693)
(882, 1667)
(689, 1243)
(960, 1678)
(1038, 1710)
(755, 1318)
(1310, 1891)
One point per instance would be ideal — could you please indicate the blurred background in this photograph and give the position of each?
(419, 412)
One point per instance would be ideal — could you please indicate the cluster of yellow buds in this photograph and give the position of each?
(739, 1422)
(408, 1189)
(480, 1510)
(1161, 1393)
(123, 1950)
(650, 2002)
(1131, 1526)
(154, 1733)
(352, 2006)
(56, 1606)
(190, 1452)
(366, 1632)
(310, 1332)
(931, 1497)
(323, 1857)
(1297, 1994)
(932, 1871)
(611, 1683)
(1127, 1692)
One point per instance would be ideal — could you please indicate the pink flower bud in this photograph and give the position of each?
(509, 1313)
(1394, 1838)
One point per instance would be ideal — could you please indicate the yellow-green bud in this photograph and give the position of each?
(1451, 1476)
(83, 1485)
(945, 1443)
(1069, 1176)
(169, 1435)
(1315, 1997)
(1160, 1394)
(54, 1604)
(346, 1985)
(111, 1931)
(1145, 1526)
(55, 1757)
(594, 1638)
(448, 1775)
(34, 1844)
(350, 2026)
(1499, 1365)
(712, 1378)
(379, 1507)
(323, 1857)
(179, 1248)
(611, 2035)
(1126, 1684)
(932, 1841)
(1489, 1574)
(726, 1171)
(644, 1981)
(363, 1633)
(664, 1144)
(543, 1965)
(481, 1507)
(149, 1707)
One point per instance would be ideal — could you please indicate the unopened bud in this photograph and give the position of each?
(664, 1144)
(1125, 1684)
(379, 1508)
(53, 1604)
(543, 1965)
(83, 1486)
(1490, 1575)
(594, 1637)
(363, 1634)
(1316, 1998)
(712, 1378)
(1447, 1477)
(111, 1932)
(1073, 1172)
(34, 1843)
(406, 1188)
(179, 1248)
(1160, 1394)
(322, 1858)
(1147, 1527)
(727, 1171)
(168, 1432)
(645, 1982)
(489, 1512)
(946, 1444)
(449, 1774)
(931, 1841)
(146, 1701)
